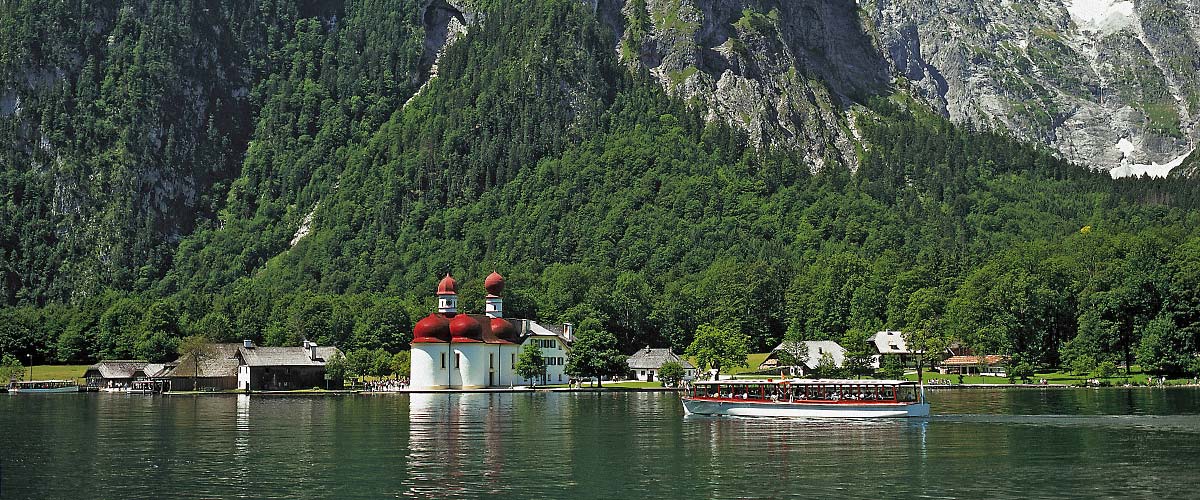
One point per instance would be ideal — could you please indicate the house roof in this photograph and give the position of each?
(285, 356)
(890, 342)
(649, 358)
(117, 368)
(815, 348)
(221, 362)
(156, 369)
(990, 359)
(533, 328)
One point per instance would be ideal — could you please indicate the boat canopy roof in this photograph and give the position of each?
(807, 381)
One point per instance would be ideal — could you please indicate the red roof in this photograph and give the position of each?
(502, 332)
(447, 286)
(465, 328)
(990, 359)
(434, 328)
(494, 284)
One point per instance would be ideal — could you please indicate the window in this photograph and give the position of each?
(457, 359)
(513, 361)
(491, 360)
(443, 361)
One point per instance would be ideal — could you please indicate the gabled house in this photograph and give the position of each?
(215, 370)
(815, 350)
(645, 363)
(891, 343)
(284, 368)
(991, 365)
(113, 374)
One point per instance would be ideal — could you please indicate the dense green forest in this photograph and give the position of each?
(154, 187)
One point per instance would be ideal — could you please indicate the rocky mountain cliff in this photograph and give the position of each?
(1110, 84)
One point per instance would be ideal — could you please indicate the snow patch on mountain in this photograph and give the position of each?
(1154, 169)
(1102, 16)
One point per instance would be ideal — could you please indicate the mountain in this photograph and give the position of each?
(1109, 84)
(283, 170)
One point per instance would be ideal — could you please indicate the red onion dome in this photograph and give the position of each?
(447, 286)
(434, 328)
(494, 284)
(464, 328)
(504, 330)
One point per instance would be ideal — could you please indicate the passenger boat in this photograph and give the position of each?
(44, 386)
(807, 398)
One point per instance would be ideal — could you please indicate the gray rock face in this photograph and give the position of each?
(1110, 84)
(781, 70)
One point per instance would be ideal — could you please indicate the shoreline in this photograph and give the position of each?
(519, 390)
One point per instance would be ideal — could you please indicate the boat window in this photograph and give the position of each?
(908, 394)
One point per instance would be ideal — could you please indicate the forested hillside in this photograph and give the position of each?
(277, 172)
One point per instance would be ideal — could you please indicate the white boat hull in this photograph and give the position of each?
(55, 390)
(831, 410)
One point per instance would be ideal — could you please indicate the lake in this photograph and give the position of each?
(1023, 443)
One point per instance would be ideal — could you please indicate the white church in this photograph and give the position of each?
(472, 351)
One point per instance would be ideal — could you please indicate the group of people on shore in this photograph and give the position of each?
(387, 385)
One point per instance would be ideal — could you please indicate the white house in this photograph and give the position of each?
(889, 343)
(815, 350)
(645, 363)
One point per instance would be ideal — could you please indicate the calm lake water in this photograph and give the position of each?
(1052, 443)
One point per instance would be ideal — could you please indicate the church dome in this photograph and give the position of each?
(505, 331)
(494, 284)
(447, 286)
(464, 328)
(434, 328)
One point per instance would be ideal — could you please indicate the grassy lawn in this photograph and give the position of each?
(752, 362)
(57, 372)
(1136, 377)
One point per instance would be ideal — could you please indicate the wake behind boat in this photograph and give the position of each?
(807, 398)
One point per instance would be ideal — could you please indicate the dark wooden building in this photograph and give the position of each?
(285, 368)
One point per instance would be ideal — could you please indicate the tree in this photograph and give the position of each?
(385, 324)
(670, 373)
(359, 363)
(530, 364)
(827, 367)
(11, 368)
(195, 351)
(1019, 368)
(891, 368)
(594, 354)
(1082, 364)
(859, 354)
(792, 352)
(716, 348)
(923, 334)
(380, 364)
(335, 369)
(1165, 348)
(1106, 369)
(402, 363)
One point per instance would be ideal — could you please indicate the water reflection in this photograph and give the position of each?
(609, 445)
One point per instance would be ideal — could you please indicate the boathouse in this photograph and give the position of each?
(990, 365)
(114, 373)
(215, 370)
(645, 363)
(284, 368)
